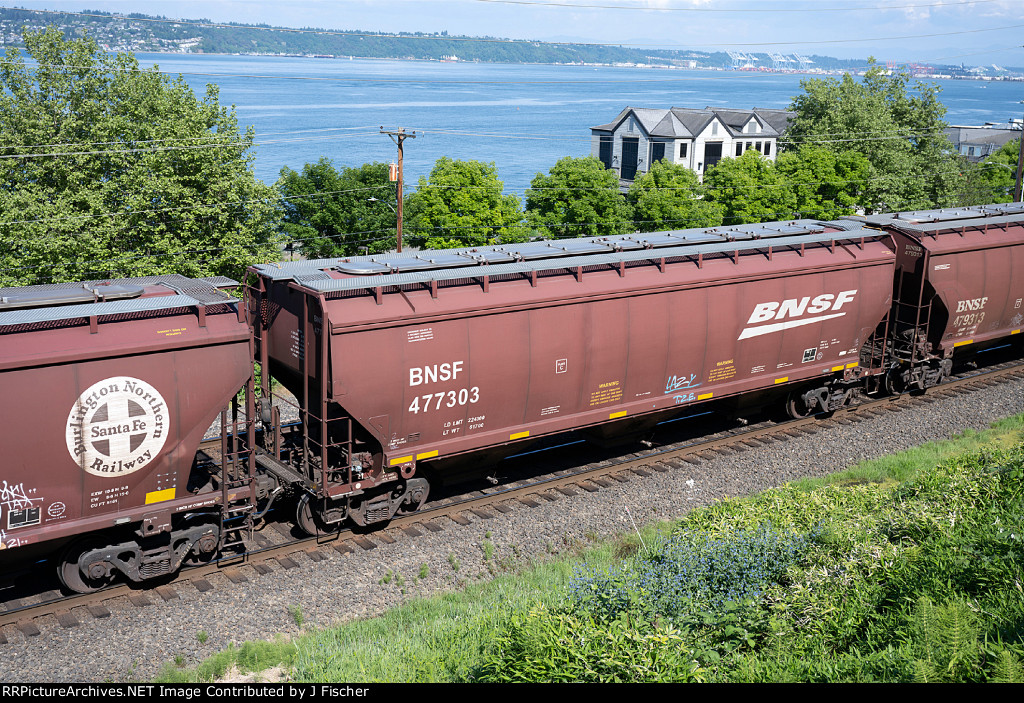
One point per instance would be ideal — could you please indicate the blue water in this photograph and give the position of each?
(521, 117)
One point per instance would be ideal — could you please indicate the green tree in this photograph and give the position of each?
(331, 214)
(578, 198)
(900, 132)
(462, 204)
(825, 184)
(993, 179)
(111, 170)
(750, 189)
(670, 196)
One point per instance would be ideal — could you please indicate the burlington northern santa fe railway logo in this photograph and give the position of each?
(117, 426)
(795, 308)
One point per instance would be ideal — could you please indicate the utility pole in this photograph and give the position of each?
(398, 138)
(1020, 164)
(1020, 169)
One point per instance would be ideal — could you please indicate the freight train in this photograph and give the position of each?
(407, 369)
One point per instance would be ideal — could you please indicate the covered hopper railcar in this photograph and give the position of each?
(958, 288)
(109, 387)
(407, 367)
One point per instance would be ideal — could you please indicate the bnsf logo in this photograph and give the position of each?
(435, 373)
(973, 304)
(796, 308)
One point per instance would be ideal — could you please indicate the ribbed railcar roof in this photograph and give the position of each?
(426, 266)
(189, 292)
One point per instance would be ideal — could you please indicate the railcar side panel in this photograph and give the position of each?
(109, 415)
(434, 370)
(961, 269)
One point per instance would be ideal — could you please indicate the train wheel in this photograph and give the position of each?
(304, 516)
(205, 548)
(416, 494)
(71, 575)
(796, 407)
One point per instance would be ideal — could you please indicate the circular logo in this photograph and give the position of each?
(117, 426)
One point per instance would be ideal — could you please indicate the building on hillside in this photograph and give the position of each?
(695, 138)
(978, 142)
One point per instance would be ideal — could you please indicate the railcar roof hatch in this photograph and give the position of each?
(34, 298)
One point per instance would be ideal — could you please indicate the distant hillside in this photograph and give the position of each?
(143, 33)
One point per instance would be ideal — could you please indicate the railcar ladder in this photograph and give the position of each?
(238, 476)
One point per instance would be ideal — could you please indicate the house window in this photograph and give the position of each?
(682, 150)
(714, 129)
(749, 144)
(657, 151)
(758, 146)
(739, 148)
(767, 148)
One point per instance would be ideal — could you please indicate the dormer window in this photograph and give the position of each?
(714, 129)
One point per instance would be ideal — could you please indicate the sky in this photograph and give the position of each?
(979, 32)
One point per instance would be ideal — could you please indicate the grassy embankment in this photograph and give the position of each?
(906, 568)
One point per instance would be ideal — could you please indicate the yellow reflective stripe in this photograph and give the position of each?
(853, 365)
(401, 460)
(781, 380)
(615, 415)
(519, 435)
(960, 344)
(838, 368)
(160, 496)
(426, 455)
(705, 396)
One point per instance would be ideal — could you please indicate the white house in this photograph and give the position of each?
(695, 138)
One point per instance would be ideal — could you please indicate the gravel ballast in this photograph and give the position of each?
(134, 643)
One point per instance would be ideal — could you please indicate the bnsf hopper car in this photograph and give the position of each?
(108, 389)
(958, 289)
(408, 369)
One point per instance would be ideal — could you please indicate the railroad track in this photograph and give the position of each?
(264, 556)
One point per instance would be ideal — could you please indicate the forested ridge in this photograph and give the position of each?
(139, 32)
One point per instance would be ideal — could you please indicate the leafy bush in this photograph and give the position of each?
(689, 574)
(560, 646)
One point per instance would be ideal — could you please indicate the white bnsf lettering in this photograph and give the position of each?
(794, 309)
(419, 375)
(973, 304)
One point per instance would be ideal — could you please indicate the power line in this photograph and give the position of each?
(447, 81)
(782, 139)
(449, 232)
(354, 79)
(221, 204)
